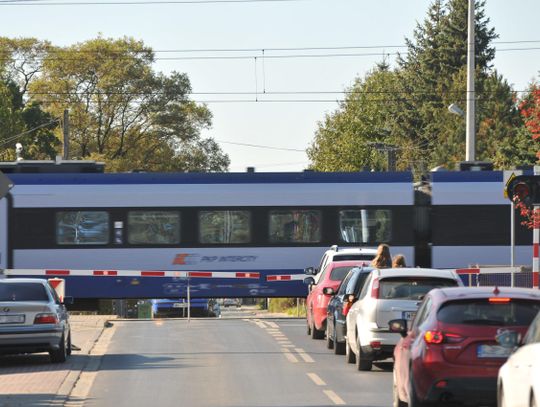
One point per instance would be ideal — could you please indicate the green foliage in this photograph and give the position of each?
(407, 107)
(121, 111)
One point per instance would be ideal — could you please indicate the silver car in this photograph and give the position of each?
(33, 319)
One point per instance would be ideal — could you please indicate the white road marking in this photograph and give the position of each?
(290, 357)
(334, 397)
(304, 355)
(273, 324)
(316, 379)
(287, 345)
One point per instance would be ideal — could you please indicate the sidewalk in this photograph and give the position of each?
(31, 380)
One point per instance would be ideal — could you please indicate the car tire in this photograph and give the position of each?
(316, 333)
(59, 355)
(396, 401)
(363, 361)
(329, 339)
(350, 357)
(308, 327)
(339, 347)
(68, 346)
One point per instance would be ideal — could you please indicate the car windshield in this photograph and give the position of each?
(411, 288)
(480, 311)
(23, 292)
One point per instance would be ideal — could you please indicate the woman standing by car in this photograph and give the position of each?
(382, 258)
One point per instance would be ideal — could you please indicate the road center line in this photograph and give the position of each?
(316, 379)
(334, 397)
(290, 357)
(304, 355)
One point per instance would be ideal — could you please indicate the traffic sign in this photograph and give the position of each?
(5, 185)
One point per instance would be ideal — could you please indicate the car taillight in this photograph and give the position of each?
(346, 307)
(45, 319)
(499, 300)
(437, 337)
(375, 288)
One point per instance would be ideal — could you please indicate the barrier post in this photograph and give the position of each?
(536, 235)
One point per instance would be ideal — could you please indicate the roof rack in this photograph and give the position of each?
(334, 248)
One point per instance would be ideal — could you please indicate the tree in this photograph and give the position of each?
(530, 111)
(121, 110)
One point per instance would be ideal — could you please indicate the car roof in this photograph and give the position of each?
(24, 280)
(350, 250)
(416, 272)
(459, 293)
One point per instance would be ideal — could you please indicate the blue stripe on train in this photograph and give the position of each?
(215, 178)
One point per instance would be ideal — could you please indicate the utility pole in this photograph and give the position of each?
(471, 136)
(390, 150)
(66, 135)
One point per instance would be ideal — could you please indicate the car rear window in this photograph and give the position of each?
(480, 311)
(345, 257)
(411, 288)
(339, 273)
(23, 292)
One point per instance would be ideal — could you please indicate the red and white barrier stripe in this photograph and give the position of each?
(499, 270)
(286, 277)
(132, 273)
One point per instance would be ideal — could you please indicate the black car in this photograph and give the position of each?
(346, 295)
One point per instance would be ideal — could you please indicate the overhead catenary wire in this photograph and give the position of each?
(141, 2)
(15, 137)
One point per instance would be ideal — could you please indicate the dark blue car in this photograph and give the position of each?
(339, 306)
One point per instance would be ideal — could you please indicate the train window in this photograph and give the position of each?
(224, 227)
(365, 225)
(153, 227)
(295, 226)
(82, 227)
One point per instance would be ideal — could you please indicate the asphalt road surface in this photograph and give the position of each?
(229, 362)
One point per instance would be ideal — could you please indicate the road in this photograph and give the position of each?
(227, 362)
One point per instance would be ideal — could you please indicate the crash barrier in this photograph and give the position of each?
(499, 276)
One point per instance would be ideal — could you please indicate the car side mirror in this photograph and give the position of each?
(508, 339)
(309, 281)
(328, 291)
(68, 301)
(398, 326)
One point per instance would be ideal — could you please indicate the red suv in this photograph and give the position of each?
(450, 353)
(321, 292)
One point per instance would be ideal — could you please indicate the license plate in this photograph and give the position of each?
(11, 319)
(492, 351)
(408, 315)
(179, 305)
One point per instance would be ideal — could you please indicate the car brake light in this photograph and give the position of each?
(45, 319)
(375, 344)
(433, 337)
(437, 337)
(375, 288)
(441, 384)
(499, 300)
(346, 307)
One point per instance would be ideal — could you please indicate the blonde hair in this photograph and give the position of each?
(398, 261)
(382, 258)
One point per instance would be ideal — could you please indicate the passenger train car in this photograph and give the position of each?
(111, 235)
(141, 235)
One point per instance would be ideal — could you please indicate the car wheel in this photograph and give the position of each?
(363, 361)
(339, 347)
(68, 346)
(350, 357)
(329, 339)
(308, 327)
(316, 333)
(59, 355)
(396, 401)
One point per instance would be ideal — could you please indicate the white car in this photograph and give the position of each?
(519, 378)
(388, 294)
(33, 319)
(335, 253)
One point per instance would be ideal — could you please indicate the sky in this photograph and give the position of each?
(264, 99)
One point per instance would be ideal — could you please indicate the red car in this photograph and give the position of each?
(320, 294)
(450, 353)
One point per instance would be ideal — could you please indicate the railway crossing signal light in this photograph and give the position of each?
(526, 188)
